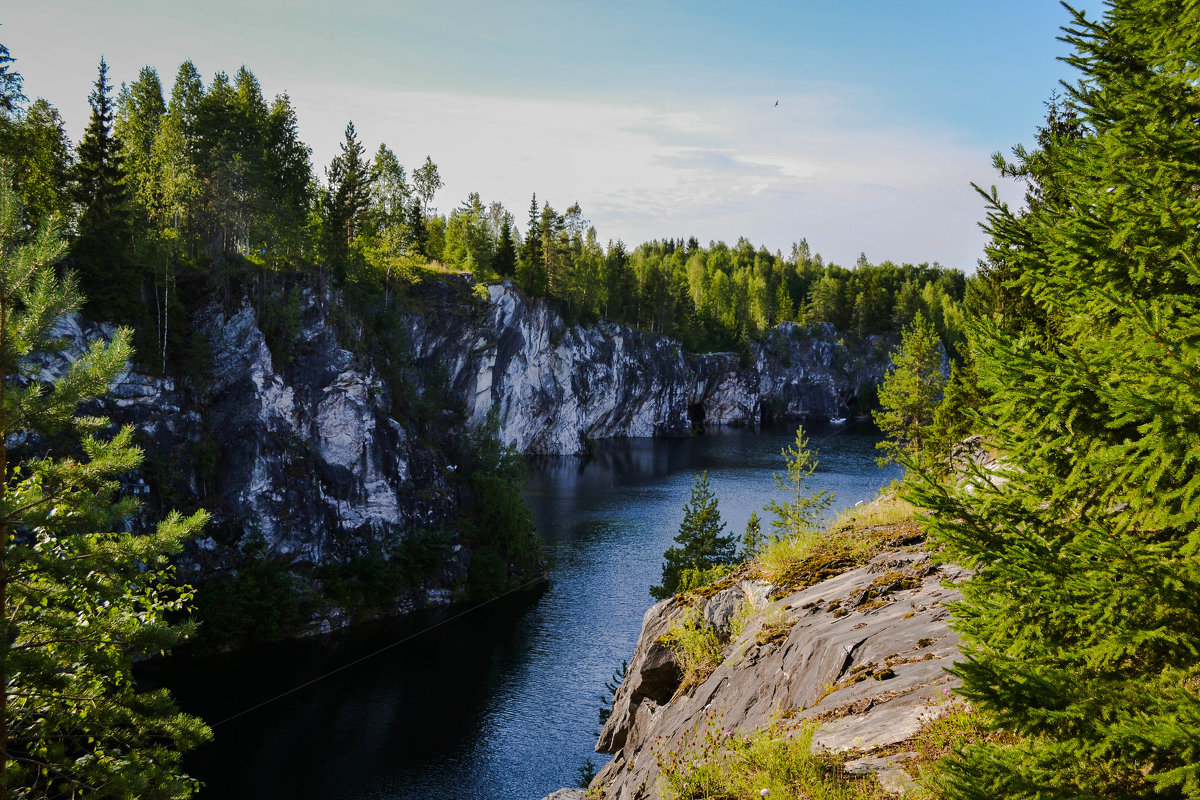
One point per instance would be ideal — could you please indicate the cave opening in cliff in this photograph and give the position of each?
(695, 414)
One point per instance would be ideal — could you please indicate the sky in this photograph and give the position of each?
(857, 125)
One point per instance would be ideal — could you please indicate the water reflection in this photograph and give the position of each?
(500, 702)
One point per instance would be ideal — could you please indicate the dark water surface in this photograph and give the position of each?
(500, 702)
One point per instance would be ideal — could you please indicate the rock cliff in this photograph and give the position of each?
(554, 386)
(863, 654)
(318, 440)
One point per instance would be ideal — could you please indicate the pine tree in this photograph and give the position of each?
(801, 512)
(77, 603)
(101, 250)
(418, 234)
(346, 202)
(910, 392)
(753, 540)
(10, 83)
(531, 269)
(506, 252)
(140, 111)
(702, 539)
(1081, 624)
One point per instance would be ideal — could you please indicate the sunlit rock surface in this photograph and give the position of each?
(864, 654)
(554, 387)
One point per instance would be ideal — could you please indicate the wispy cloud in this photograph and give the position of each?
(814, 167)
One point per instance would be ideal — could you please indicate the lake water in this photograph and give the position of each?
(499, 702)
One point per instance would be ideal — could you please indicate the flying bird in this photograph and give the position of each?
(777, 104)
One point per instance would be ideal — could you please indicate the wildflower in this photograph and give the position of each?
(948, 691)
(764, 793)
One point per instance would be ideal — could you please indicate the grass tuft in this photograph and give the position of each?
(709, 762)
(697, 647)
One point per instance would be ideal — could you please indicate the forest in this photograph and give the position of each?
(171, 196)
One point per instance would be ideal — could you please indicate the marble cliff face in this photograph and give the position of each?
(320, 448)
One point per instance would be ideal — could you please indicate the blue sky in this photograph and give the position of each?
(659, 118)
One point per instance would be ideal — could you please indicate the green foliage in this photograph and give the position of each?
(505, 550)
(801, 513)
(263, 601)
(79, 600)
(373, 579)
(280, 323)
(586, 772)
(753, 540)
(469, 244)
(10, 83)
(531, 267)
(702, 541)
(344, 205)
(698, 577)
(101, 251)
(910, 393)
(697, 647)
(35, 146)
(610, 688)
(1082, 622)
(777, 760)
(506, 251)
(954, 417)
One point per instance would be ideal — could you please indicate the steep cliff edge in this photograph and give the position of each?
(862, 654)
(554, 386)
(331, 447)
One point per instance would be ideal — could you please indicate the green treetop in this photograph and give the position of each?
(910, 393)
(801, 512)
(703, 543)
(101, 250)
(78, 602)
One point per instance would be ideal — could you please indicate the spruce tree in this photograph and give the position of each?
(101, 251)
(1081, 624)
(506, 251)
(79, 600)
(531, 268)
(346, 202)
(703, 543)
(10, 83)
(909, 394)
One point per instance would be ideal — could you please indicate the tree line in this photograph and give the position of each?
(170, 195)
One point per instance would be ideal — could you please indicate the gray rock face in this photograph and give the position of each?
(869, 677)
(308, 453)
(566, 794)
(554, 387)
(307, 458)
(310, 449)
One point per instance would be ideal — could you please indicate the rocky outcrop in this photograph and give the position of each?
(332, 441)
(554, 387)
(300, 457)
(863, 654)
